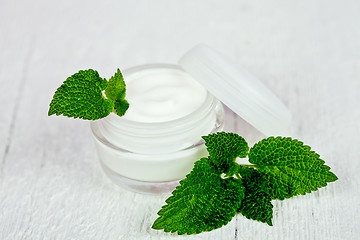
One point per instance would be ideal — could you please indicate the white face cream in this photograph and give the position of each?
(158, 140)
(162, 94)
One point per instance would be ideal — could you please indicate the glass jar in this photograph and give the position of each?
(152, 157)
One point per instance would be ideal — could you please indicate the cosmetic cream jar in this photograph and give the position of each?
(151, 157)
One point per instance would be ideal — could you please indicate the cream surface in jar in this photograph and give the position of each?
(162, 94)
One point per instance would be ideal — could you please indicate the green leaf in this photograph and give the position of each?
(80, 96)
(116, 91)
(257, 202)
(290, 167)
(204, 201)
(120, 107)
(224, 148)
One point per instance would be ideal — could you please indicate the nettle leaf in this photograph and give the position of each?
(204, 201)
(80, 96)
(116, 91)
(257, 202)
(290, 167)
(224, 148)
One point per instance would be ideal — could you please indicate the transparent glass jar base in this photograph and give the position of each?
(149, 188)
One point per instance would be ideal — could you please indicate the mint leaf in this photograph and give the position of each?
(80, 96)
(282, 168)
(120, 107)
(223, 150)
(204, 201)
(290, 167)
(115, 91)
(257, 202)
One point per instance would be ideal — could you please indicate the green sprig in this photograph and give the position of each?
(204, 200)
(81, 96)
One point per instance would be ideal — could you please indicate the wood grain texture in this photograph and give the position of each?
(51, 185)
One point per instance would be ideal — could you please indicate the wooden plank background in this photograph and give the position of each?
(51, 185)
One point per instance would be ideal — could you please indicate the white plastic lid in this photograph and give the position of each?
(238, 90)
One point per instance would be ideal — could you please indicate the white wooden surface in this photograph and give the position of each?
(51, 185)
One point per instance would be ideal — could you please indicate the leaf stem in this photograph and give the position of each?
(248, 165)
(237, 175)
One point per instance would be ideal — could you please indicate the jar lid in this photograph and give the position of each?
(237, 89)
